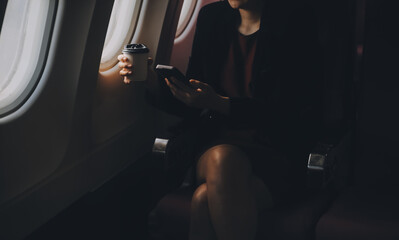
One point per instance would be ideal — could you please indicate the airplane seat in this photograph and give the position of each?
(368, 209)
(297, 220)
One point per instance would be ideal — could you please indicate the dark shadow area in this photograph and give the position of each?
(3, 6)
(117, 210)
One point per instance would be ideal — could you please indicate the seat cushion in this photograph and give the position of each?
(295, 220)
(171, 217)
(361, 214)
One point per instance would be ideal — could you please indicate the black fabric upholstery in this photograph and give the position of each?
(170, 219)
(295, 221)
(378, 129)
(335, 27)
(370, 209)
(361, 214)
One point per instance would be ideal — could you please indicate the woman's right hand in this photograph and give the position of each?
(127, 69)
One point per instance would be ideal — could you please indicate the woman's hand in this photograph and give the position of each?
(127, 69)
(198, 94)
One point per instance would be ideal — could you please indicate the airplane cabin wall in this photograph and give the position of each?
(34, 139)
(80, 127)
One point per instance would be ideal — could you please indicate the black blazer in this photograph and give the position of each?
(287, 81)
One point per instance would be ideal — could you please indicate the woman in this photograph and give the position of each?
(254, 71)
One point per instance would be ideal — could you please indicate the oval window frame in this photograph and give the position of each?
(32, 80)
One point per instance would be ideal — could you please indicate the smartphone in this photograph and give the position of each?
(166, 71)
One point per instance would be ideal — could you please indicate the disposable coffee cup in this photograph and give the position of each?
(138, 57)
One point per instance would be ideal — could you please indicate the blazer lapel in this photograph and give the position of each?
(263, 70)
(221, 42)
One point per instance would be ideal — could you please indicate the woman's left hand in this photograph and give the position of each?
(198, 94)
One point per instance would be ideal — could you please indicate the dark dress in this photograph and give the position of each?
(275, 107)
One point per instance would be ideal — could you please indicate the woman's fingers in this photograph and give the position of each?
(126, 80)
(181, 85)
(178, 93)
(125, 65)
(125, 72)
(171, 86)
(198, 84)
(122, 58)
(150, 61)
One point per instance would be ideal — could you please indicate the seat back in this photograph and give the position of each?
(335, 37)
(377, 125)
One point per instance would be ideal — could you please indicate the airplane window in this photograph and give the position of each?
(24, 41)
(120, 30)
(185, 16)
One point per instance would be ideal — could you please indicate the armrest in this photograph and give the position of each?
(319, 166)
(318, 157)
(159, 157)
(328, 164)
(160, 145)
(159, 153)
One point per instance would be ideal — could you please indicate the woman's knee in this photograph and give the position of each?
(224, 163)
(199, 200)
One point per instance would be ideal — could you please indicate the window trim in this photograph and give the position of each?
(41, 63)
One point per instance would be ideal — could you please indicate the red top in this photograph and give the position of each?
(237, 72)
(236, 80)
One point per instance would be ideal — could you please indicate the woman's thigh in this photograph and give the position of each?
(284, 177)
(229, 166)
(223, 161)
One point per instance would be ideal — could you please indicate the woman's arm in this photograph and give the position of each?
(200, 95)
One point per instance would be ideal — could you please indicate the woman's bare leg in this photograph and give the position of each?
(231, 193)
(200, 226)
